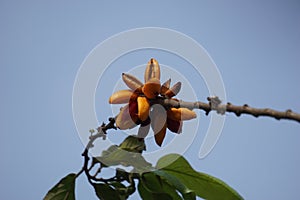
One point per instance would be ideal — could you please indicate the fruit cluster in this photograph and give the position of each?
(139, 110)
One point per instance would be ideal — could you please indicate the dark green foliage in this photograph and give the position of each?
(128, 153)
(173, 178)
(152, 186)
(105, 192)
(63, 190)
(204, 185)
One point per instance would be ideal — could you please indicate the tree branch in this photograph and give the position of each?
(215, 104)
(101, 132)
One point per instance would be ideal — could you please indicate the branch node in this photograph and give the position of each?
(214, 102)
(238, 113)
(207, 112)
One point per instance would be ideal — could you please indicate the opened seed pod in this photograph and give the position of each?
(152, 70)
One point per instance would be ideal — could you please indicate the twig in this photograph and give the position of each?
(80, 172)
(101, 132)
(214, 103)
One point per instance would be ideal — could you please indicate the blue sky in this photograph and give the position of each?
(255, 44)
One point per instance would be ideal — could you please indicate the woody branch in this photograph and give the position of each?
(215, 104)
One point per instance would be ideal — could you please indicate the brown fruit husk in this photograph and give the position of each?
(126, 119)
(173, 91)
(121, 96)
(179, 114)
(151, 88)
(152, 70)
(143, 108)
(164, 88)
(131, 81)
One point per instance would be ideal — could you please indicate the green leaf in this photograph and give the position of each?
(145, 194)
(186, 193)
(115, 155)
(204, 185)
(105, 192)
(117, 185)
(133, 144)
(152, 186)
(123, 191)
(122, 174)
(63, 190)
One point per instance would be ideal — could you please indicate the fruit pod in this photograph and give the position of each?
(143, 131)
(121, 96)
(134, 96)
(124, 119)
(151, 88)
(160, 136)
(133, 110)
(143, 108)
(152, 70)
(158, 118)
(179, 114)
(165, 87)
(174, 125)
(174, 90)
(131, 81)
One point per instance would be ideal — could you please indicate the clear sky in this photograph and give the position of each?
(255, 44)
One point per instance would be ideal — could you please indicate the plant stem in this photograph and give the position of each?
(214, 104)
